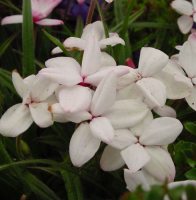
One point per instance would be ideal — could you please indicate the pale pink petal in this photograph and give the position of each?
(187, 58)
(160, 165)
(113, 40)
(104, 96)
(15, 121)
(49, 22)
(165, 111)
(20, 86)
(182, 7)
(42, 88)
(96, 78)
(151, 61)
(161, 131)
(107, 60)
(74, 99)
(122, 139)
(191, 99)
(185, 23)
(102, 129)
(83, 145)
(41, 114)
(154, 92)
(111, 159)
(13, 19)
(29, 80)
(62, 70)
(135, 157)
(42, 8)
(91, 62)
(126, 113)
(73, 43)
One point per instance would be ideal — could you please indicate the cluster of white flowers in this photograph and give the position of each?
(111, 104)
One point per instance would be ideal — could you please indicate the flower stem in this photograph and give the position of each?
(91, 12)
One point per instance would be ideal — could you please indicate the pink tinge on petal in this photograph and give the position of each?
(129, 62)
(49, 22)
(13, 19)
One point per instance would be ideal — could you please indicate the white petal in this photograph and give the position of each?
(185, 23)
(161, 131)
(126, 113)
(151, 61)
(15, 121)
(79, 117)
(73, 43)
(62, 70)
(135, 157)
(91, 62)
(83, 145)
(182, 7)
(141, 127)
(102, 129)
(165, 111)
(56, 50)
(42, 88)
(187, 58)
(96, 78)
(107, 60)
(41, 9)
(160, 165)
(74, 99)
(153, 90)
(122, 139)
(191, 99)
(20, 86)
(104, 96)
(49, 22)
(181, 183)
(111, 159)
(41, 114)
(13, 19)
(113, 40)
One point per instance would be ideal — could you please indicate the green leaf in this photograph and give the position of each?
(6, 44)
(190, 127)
(5, 79)
(55, 41)
(27, 39)
(191, 174)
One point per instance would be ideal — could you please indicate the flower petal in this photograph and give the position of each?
(107, 60)
(154, 92)
(41, 114)
(160, 165)
(165, 111)
(122, 139)
(126, 113)
(91, 62)
(20, 86)
(182, 7)
(74, 99)
(49, 22)
(135, 157)
(42, 88)
(151, 61)
(161, 131)
(104, 96)
(111, 159)
(62, 70)
(15, 121)
(13, 19)
(191, 99)
(185, 23)
(102, 129)
(83, 145)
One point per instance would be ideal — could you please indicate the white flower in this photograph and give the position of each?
(40, 10)
(142, 148)
(77, 80)
(151, 62)
(34, 91)
(109, 1)
(187, 9)
(104, 116)
(95, 29)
